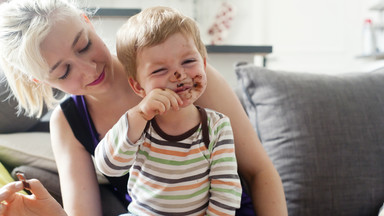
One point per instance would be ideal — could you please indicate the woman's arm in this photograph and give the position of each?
(78, 181)
(253, 162)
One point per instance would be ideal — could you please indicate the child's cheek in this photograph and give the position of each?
(199, 84)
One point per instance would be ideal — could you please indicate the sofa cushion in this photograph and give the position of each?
(32, 149)
(324, 134)
(10, 121)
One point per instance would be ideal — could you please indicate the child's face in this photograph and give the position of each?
(175, 64)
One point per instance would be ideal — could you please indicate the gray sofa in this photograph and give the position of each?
(324, 134)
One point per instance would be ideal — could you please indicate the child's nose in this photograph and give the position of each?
(177, 76)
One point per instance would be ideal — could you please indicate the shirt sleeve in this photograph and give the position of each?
(225, 183)
(115, 153)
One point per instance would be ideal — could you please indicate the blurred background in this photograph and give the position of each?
(316, 36)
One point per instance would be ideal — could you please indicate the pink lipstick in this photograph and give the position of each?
(98, 80)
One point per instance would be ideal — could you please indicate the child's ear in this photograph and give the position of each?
(136, 87)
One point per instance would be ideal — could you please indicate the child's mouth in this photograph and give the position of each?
(181, 89)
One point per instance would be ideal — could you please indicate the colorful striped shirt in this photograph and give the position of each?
(175, 175)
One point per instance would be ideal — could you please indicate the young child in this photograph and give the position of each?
(180, 157)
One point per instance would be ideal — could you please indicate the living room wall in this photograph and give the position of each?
(319, 36)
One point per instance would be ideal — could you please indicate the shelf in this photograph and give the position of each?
(378, 26)
(116, 12)
(379, 55)
(239, 49)
(379, 6)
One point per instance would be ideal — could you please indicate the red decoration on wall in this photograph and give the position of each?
(222, 24)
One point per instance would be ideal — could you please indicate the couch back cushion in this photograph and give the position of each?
(324, 134)
(9, 120)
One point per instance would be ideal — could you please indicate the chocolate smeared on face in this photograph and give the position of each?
(197, 82)
(197, 87)
(180, 85)
(177, 75)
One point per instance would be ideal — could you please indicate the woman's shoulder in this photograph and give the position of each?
(57, 117)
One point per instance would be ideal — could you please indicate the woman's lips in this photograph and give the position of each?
(98, 80)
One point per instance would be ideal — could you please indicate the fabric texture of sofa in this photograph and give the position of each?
(323, 133)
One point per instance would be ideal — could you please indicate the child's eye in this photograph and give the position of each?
(189, 61)
(67, 71)
(86, 47)
(158, 71)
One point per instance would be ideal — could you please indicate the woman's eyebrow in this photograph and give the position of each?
(55, 66)
(78, 35)
(77, 38)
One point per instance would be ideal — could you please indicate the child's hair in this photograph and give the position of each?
(24, 24)
(151, 27)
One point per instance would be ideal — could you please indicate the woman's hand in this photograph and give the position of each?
(39, 203)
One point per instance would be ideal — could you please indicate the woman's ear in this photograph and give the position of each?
(136, 87)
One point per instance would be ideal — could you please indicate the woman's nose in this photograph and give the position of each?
(88, 67)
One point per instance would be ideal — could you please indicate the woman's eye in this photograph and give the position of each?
(66, 73)
(86, 47)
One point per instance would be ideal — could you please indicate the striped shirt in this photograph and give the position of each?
(175, 175)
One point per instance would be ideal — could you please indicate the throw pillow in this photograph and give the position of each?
(324, 134)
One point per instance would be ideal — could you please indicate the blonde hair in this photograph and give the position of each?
(24, 24)
(151, 27)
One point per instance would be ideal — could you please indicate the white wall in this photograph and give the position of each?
(108, 26)
(319, 36)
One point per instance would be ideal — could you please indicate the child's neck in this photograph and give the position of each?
(178, 122)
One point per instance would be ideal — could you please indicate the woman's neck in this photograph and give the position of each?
(106, 108)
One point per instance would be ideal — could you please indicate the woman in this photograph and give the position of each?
(49, 44)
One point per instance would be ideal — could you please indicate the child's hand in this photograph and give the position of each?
(159, 101)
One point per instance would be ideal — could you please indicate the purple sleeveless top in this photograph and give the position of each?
(83, 110)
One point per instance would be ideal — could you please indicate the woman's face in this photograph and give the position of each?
(79, 62)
